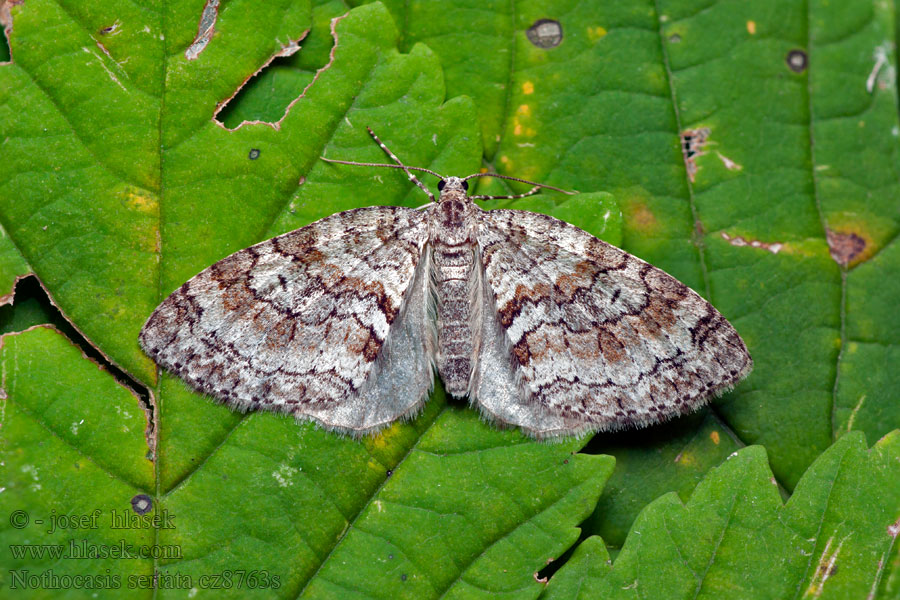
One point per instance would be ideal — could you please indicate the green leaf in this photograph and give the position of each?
(298, 504)
(455, 508)
(857, 117)
(118, 184)
(269, 92)
(64, 455)
(790, 156)
(835, 537)
(649, 463)
(12, 268)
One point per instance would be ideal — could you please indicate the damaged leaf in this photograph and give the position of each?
(430, 505)
(123, 175)
(735, 538)
(12, 268)
(66, 452)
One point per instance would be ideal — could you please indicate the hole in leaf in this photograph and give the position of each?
(545, 33)
(31, 306)
(141, 504)
(111, 29)
(692, 143)
(4, 47)
(267, 95)
(797, 60)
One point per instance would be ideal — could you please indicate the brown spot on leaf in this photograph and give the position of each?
(894, 528)
(729, 164)
(641, 217)
(141, 504)
(205, 29)
(699, 230)
(826, 567)
(111, 29)
(845, 248)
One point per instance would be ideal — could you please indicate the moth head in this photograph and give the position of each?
(449, 184)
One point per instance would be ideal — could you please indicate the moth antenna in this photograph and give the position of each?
(534, 183)
(530, 192)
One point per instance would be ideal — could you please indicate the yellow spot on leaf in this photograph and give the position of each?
(140, 201)
(483, 170)
(524, 109)
(530, 132)
(687, 459)
(714, 436)
(504, 160)
(385, 438)
(517, 130)
(596, 33)
(751, 27)
(527, 88)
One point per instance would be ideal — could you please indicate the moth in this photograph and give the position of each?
(540, 324)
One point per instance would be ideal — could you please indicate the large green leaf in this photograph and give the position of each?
(791, 155)
(70, 466)
(835, 537)
(295, 503)
(118, 185)
(445, 506)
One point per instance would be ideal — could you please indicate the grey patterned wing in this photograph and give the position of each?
(580, 336)
(326, 323)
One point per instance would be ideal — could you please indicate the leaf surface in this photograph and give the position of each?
(296, 505)
(122, 179)
(799, 165)
(835, 537)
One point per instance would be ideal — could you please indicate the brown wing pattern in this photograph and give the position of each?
(300, 323)
(590, 337)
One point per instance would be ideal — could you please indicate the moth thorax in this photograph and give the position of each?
(453, 219)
